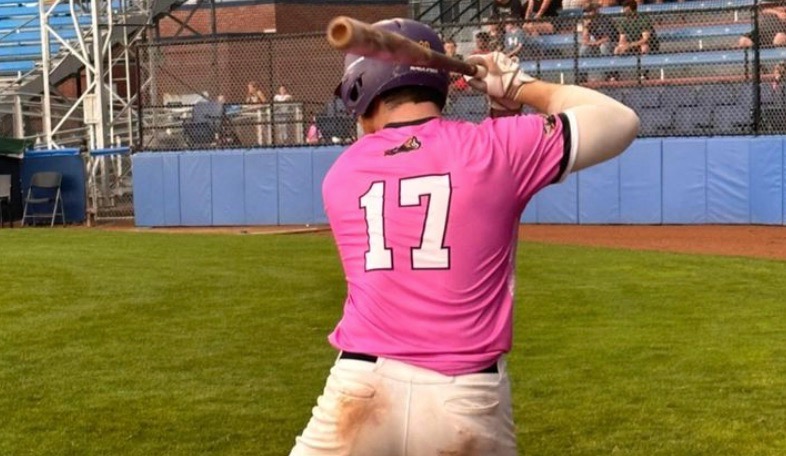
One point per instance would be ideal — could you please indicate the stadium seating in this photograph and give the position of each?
(566, 42)
(682, 6)
(20, 34)
(653, 61)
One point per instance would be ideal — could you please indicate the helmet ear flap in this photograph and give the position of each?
(354, 92)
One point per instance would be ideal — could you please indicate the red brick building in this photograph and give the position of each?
(280, 16)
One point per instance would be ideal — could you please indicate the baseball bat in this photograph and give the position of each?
(360, 38)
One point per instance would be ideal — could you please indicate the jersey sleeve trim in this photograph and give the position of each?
(570, 138)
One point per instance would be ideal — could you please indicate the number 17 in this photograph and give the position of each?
(432, 253)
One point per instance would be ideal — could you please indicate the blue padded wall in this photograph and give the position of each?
(322, 160)
(766, 180)
(295, 186)
(228, 188)
(728, 177)
(261, 187)
(599, 193)
(530, 214)
(684, 180)
(196, 198)
(674, 181)
(148, 189)
(171, 188)
(640, 183)
(559, 203)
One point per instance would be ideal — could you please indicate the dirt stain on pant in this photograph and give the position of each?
(357, 414)
(467, 444)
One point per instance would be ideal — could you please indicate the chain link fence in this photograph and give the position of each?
(692, 68)
(261, 90)
(110, 185)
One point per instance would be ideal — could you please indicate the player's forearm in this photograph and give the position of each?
(606, 127)
(554, 98)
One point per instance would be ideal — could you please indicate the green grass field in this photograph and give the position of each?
(115, 343)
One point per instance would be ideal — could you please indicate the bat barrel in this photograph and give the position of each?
(352, 36)
(340, 32)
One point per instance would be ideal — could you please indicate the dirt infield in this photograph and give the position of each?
(737, 240)
(744, 240)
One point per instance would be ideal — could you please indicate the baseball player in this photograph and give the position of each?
(425, 213)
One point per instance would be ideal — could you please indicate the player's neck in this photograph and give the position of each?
(407, 112)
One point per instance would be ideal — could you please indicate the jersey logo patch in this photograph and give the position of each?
(413, 143)
(549, 123)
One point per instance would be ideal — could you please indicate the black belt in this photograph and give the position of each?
(373, 359)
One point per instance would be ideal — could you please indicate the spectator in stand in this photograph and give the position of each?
(537, 13)
(515, 40)
(496, 35)
(772, 28)
(574, 4)
(283, 95)
(313, 135)
(457, 82)
(537, 9)
(284, 115)
(482, 43)
(451, 50)
(777, 76)
(599, 35)
(637, 34)
(505, 9)
(255, 94)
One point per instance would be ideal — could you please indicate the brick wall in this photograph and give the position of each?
(283, 17)
(229, 19)
(296, 17)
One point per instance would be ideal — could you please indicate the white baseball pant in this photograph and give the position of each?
(390, 408)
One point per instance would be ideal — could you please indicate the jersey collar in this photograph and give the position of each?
(409, 123)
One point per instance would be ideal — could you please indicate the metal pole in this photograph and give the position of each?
(19, 122)
(98, 65)
(274, 133)
(127, 63)
(756, 70)
(46, 108)
(213, 25)
(576, 76)
(139, 109)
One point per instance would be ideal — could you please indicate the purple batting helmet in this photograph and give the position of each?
(365, 78)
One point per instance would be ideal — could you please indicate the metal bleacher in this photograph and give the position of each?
(652, 61)
(20, 35)
(691, 33)
(68, 28)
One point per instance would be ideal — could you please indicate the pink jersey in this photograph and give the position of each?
(425, 216)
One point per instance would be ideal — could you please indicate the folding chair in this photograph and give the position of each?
(44, 190)
(5, 199)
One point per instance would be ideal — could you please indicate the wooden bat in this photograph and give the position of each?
(356, 37)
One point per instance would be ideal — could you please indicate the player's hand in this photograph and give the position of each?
(502, 80)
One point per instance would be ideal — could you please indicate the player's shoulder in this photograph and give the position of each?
(520, 123)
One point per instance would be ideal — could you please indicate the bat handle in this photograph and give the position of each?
(480, 72)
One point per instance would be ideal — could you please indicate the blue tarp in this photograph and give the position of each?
(70, 164)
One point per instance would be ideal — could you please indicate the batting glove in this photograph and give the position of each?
(502, 79)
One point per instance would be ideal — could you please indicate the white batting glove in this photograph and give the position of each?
(502, 80)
